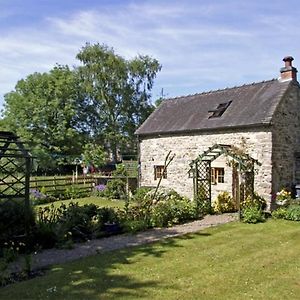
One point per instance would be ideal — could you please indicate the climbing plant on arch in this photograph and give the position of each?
(242, 164)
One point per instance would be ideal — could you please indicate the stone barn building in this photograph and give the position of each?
(262, 119)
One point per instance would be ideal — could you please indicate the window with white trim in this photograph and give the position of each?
(217, 175)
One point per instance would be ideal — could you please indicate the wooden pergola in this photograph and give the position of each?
(15, 168)
(200, 171)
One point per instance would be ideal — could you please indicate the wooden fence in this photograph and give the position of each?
(59, 184)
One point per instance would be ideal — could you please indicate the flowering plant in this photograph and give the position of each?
(100, 187)
(36, 194)
(283, 197)
(99, 190)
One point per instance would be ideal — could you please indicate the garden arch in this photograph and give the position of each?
(15, 168)
(242, 164)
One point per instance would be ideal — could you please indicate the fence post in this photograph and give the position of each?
(54, 183)
(127, 186)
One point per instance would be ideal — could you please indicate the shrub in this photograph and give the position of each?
(293, 213)
(115, 189)
(74, 192)
(47, 234)
(204, 207)
(224, 203)
(57, 226)
(78, 220)
(256, 201)
(252, 214)
(12, 220)
(140, 194)
(167, 208)
(279, 213)
(106, 215)
(171, 211)
(120, 170)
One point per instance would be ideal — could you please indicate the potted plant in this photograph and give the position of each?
(283, 198)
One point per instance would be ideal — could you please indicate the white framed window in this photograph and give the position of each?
(217, 175)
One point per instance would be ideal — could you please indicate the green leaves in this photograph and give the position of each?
(43, 112)
(119, 92)
(102, 101)
(94, 155)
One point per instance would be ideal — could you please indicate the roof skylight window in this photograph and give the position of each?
(219, 111)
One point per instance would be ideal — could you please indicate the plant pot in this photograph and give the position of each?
(112, 228)
(282, 202)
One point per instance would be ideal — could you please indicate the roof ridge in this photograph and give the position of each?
(223, 89)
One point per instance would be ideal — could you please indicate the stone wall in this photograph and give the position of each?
(286, 139)
(153, 150)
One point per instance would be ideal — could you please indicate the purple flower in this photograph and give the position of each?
(100, 187)
(37, 194)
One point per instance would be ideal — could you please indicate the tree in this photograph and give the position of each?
(43, 111)
(101, 102)
(94, 155)
(116, 94)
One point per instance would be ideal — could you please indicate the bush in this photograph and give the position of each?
(115, 189)
(72, 192)
(106, 215)
(279, 213)
(252, 214)
(120, 171)
(72, 223)
(293, 213)
(47, 233)
(12, 220)
(167, 208)
(58, 226)
(78, 220)
(140, 194)
(171, 211)
(224, 203)
(256, 201)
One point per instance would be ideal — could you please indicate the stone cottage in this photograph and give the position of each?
(262, 119)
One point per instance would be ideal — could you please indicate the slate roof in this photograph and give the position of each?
(252, 104)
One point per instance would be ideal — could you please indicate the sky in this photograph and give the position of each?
(202, 45)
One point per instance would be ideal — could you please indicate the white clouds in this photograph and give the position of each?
(201, 46)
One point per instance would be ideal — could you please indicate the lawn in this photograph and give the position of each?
(232, 261)
(87, 200)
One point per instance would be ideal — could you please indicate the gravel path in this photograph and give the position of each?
(58, 256)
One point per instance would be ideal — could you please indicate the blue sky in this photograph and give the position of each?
(202, 45)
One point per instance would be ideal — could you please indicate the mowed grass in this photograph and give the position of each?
(87, 200)
(232, 261)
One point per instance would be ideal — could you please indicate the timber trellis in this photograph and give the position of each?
(15, 168)
(242, 163)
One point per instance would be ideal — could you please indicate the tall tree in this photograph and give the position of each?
(101, 102)
(43, 111)
(116, 94)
